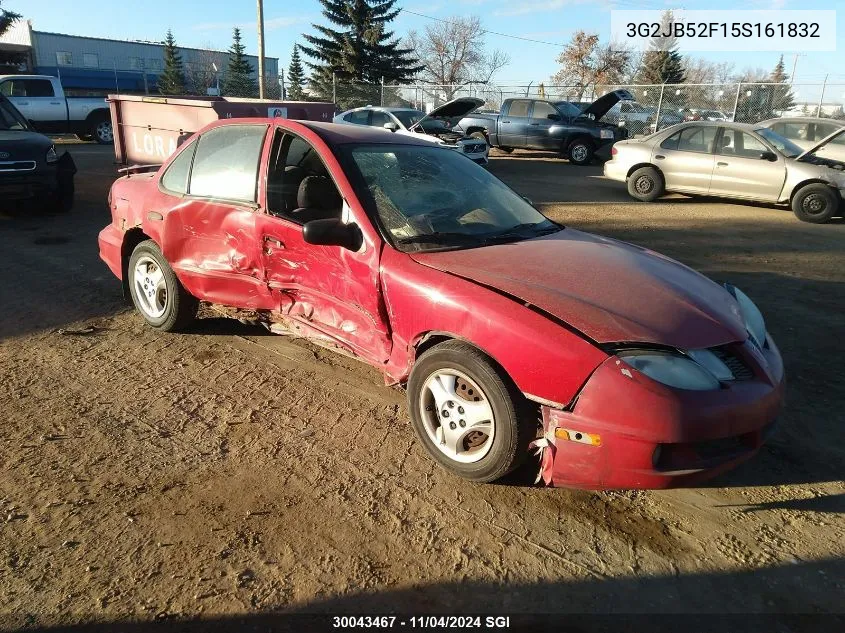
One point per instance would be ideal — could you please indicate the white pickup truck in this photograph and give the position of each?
(41, 99)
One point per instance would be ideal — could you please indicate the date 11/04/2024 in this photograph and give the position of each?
(421, 622)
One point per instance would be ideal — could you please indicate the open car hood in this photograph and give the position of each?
(822, 143)
(454, 109)
(609, 290)
(600, 106)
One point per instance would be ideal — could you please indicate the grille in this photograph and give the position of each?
(17, 165)
(738, 367)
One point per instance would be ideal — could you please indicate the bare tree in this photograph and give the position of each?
(454, 54)
(701, 71)
(586, 63)
(199, 71)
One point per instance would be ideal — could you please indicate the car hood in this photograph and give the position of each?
(456, 108)
(600, 106)
(610, 291)
(23, 145)
(822, 143)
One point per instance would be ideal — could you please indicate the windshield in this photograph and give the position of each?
(431, 197)
(568, 109)
(408, 117)
(784, 146)
(10, 118)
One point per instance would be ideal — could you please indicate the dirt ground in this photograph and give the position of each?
(231, 472)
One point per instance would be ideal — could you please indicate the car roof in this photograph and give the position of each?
(729, 124)
(804, 119)
(339, 134)
(381, 109)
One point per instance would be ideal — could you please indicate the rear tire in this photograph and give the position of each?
(646, 184)
(157, 293)
(101, 130)
(580, 152)
(468, 414)
(815, 203)
(506, 150)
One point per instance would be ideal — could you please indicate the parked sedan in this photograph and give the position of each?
(404, 254)
(807, 132)
(31, 171)
(435, 126)
(731, 160)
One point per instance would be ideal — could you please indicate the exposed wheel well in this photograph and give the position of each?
(640, 165)
(131, 239)
(97, 115)
(476, 128)
(804, 183)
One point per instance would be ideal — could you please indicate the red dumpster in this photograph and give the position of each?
(147, 129)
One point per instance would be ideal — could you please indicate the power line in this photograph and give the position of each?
(513, 37)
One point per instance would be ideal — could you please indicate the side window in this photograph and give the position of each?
(542, 110)
(175, 179)
(671, 142)
(226, 162)
(793, 131)
(626, 107)
(378, 119)
(38, 88)
(697, 139)
(299, 187)
(823, 130)
(359, 117)
(519, 107)
(736, 143)
(6, 88)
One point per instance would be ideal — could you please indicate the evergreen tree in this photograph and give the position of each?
(8, 61)
(662, 63)
(296, 76)
(172, 80)
(782, 99)
(238, 81)
(359, 53)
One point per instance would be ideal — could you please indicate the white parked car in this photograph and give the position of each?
(806, 132)
(731, 160)
(434, 126)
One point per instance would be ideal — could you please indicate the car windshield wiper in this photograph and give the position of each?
(519, 232)
(441, 237)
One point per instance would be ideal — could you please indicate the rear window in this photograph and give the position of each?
(226, 162)
(360, 117)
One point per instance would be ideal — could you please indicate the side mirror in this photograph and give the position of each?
(553, 117)
(769, 156)
(333, 232)
(390, 125)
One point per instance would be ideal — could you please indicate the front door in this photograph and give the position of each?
(513, 126)
(686, 159)
(539, 134)
(324, 292)
(37, 101)
(740, 170)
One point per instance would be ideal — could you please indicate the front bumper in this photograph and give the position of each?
(651, 436)
(39, 183)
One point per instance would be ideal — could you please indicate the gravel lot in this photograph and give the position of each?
(228, 472)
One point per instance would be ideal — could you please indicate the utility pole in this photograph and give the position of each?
(260, 49)
(794, 64)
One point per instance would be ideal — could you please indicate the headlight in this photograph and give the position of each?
(52, 157)
(754, 321)
(670, 369)
(605, 133)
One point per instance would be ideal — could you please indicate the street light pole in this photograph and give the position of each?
(260, 49)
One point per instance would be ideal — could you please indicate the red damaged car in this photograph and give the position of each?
(626, 368)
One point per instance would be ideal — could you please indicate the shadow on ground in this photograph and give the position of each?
(805, 596)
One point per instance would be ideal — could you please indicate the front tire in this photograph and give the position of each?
(580, 152)
(157, 293)
(646, 184)
(467, 413)
(815, 203)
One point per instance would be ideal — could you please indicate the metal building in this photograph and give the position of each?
(97, 66)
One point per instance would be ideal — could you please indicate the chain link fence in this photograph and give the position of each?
(654, 106)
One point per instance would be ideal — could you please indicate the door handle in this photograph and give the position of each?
(659, 156)
(721, 164)
(55, 103)
(534, 124)
(274, 241)
(505, 121)
(20, 103)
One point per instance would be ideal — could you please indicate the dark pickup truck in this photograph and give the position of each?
(545, 125)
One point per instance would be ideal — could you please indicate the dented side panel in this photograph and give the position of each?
(545, 361)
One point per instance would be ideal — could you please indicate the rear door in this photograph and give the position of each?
(37, 101)
(513, 125)
(686, 159)
(740, 172)
(539, 132)
(209, 206)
